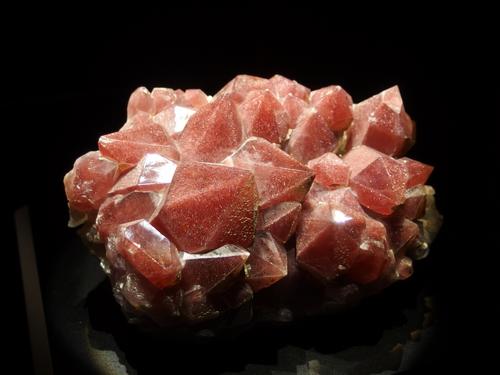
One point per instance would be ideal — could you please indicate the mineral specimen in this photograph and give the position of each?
(270, 194)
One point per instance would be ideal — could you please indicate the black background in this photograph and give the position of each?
(67, 81)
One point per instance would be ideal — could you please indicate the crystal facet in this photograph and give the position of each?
(212, 133)
(267, 263)
(280, 220)
(89, 181)
(330, 170)
(378, 180)
(311, 138)
(149, 252)
(209, 205)
(382, 123)
(263, 116)
(334, 105)
(278, 176)
(140, 136)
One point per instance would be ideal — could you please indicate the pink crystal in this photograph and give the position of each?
(212, 133)
(120, 209)
(280, 220)
(195, 98)
(418, 172)
(382, 123)
(174, 119)
(378, 180)
(284, 87)
(279, 177)
(330, 170)
(89, 181)
(311, 138)
(140, 101)
(267, 263)
(337, 238)
(372, 254)
(241, 85)
(202, 203)
(149, 252)
(210, 269)
(221, 201)
(402, 233)
(415, 201)
(162, 98)
(263, 116)
(140, 136)
(153, 173)
(295, 107)
(334, 104)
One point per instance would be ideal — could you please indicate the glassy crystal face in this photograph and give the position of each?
(382, 123)
(330, 170)
(150, 253)
(221, 200)
(267, 193)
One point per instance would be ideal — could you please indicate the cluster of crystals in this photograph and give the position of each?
(201, 201)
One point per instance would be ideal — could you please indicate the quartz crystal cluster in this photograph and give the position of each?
(267, 194)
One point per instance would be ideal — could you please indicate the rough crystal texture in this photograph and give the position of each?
(293, 200)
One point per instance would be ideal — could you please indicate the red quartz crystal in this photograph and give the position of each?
(381, 122)
(378, 179)
(210, 269)
(311, 138)
(220, 199)
(120, 209)
(278, 176)
(212, 133)
(330, 170)
(89, 181)
(334, 105)
(153, 173)
(263, 116)
(267, 263)
(140, 136)
(149, 252)
(336, 237)
(280, 220)
(203, 202)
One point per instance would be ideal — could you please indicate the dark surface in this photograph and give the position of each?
(63, 92)
(88, 328)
